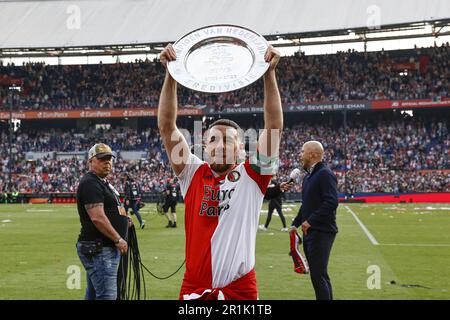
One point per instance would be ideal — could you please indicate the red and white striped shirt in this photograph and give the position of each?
(221, 221)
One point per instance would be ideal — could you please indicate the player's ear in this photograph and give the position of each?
(241, 154)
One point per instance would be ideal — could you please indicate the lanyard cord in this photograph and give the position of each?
(110, 188)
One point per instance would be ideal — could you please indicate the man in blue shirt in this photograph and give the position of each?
(317, 216)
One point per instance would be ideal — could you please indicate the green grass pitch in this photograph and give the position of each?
(412, 248)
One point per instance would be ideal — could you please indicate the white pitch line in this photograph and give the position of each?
(363, 227)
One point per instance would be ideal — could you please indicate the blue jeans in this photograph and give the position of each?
(101, 270)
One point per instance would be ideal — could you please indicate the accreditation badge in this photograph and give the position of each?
(122, 211)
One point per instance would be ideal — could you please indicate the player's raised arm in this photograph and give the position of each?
(176, 146)
(273, 114)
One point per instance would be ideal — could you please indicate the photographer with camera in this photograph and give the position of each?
(133, 198)
(170, 201)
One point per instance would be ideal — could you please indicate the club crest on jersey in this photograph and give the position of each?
(233, 176)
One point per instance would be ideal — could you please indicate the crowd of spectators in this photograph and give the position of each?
(372, 154)
(47, 140)
(401, 154)
(408, 74)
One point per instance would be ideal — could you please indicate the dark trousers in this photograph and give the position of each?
(134, 206)
(317, 246)
(275, 205)
(170, 204)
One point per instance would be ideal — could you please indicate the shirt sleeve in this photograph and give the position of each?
(91, 192)
(261, 168)
(298, 219)
(186, 175)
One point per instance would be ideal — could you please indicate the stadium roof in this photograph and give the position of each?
(94, 23)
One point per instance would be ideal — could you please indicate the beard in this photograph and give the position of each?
(220, 168)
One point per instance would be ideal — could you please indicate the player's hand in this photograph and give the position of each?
(285, 186)
(305, 227)
(127, 202)
(167, 55)
(272, 56)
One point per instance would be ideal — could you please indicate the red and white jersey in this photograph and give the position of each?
(221, 221)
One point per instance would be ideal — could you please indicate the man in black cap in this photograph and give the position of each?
(104, 226)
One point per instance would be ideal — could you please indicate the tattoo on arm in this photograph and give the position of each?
(92, 205)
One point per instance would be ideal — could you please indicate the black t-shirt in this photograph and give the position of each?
(132, 191)
(171, 192)
(273, 189)
(92, 189)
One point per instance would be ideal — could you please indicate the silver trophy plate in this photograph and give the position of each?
(219, 58)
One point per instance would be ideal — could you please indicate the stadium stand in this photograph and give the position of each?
(404, 74)
(371, 151)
